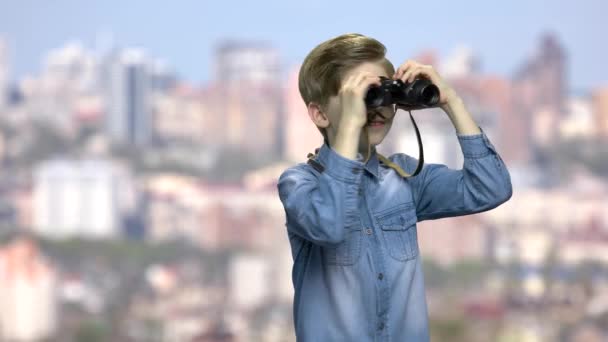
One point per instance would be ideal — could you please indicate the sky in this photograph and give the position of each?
(185, 33)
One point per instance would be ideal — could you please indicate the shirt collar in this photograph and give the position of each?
(371, 166)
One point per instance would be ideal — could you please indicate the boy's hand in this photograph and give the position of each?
(353, 112)
(411, 70)
(352, 99)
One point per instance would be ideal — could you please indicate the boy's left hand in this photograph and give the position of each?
(411, 70)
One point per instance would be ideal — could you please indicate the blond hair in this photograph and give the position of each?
(324, 67)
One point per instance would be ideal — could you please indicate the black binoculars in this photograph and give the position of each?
(419, 94)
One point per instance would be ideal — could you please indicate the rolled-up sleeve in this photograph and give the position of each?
(482, 184)
(320, 205)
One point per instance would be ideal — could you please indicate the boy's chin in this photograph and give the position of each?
(376, 139)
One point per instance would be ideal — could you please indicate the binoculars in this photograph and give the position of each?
(419, 94)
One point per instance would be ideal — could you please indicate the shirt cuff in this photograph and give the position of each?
(475, 145)
(342, 168)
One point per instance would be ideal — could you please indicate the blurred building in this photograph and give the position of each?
(242, 219)
(461, 63)
(455, 240)
(68, 74)
(600, 111)
(84, 198)
(301, 134)
(71, 69)
(245, 98)
(567, 224)
(540, 96)
(247, 116)
(254, 62)
(163, 77)
(425, 56)
(23, 204)
(547, 70)
(214, 217)
(3, 147)
(181, 116)
(128, 88)
(181, 303)
(28, 295)
(579, 121)
(174, 207)
(4, 73)
(587, 243)
(250, 281)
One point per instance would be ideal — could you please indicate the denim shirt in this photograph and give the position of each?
(357, 270)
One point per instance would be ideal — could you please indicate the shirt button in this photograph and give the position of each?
(380, 276)
(368, 231)
(360, 192)
(381, 326)
(355, 170)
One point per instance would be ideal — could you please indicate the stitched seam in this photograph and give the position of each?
(477, 155)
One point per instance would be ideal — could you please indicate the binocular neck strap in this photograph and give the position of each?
(396, 167)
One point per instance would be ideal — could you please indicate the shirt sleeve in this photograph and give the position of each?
(482, 184)
(319, 206)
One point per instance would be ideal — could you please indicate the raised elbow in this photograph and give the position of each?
(504, 194)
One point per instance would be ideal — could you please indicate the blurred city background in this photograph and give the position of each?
(140, 146)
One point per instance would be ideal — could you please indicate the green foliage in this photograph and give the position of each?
(92, 331)
(448, 330)
(459, 275)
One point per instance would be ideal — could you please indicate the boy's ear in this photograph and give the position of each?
(317, 115)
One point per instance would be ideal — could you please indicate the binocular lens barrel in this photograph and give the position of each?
(429, 95)
(420, 93)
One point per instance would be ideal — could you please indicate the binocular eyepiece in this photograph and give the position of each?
(419, 94)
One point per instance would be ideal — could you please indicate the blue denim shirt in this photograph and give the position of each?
(357, 269)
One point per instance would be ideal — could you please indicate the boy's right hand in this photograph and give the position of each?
(352, 99)
(353, 112)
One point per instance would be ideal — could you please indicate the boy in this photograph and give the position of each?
(351, 213)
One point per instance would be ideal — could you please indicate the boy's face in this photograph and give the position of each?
(376, 131)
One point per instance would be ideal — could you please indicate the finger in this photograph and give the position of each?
(348, 82)
(409, 75)
(360, 77)
(413, 75)
(399, 71)
(353, 81)
(368, 78)
(359, 83)
(429, 73)
(404, 68)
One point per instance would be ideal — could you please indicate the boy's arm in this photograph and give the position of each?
(482, 184)
(319, 208)
(484, 181)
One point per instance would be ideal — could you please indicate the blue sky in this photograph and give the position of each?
(184, 33)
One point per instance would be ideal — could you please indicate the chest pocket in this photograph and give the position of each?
(347, 252)
(398, 226)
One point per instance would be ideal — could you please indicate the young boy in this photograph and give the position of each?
(351, 215)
